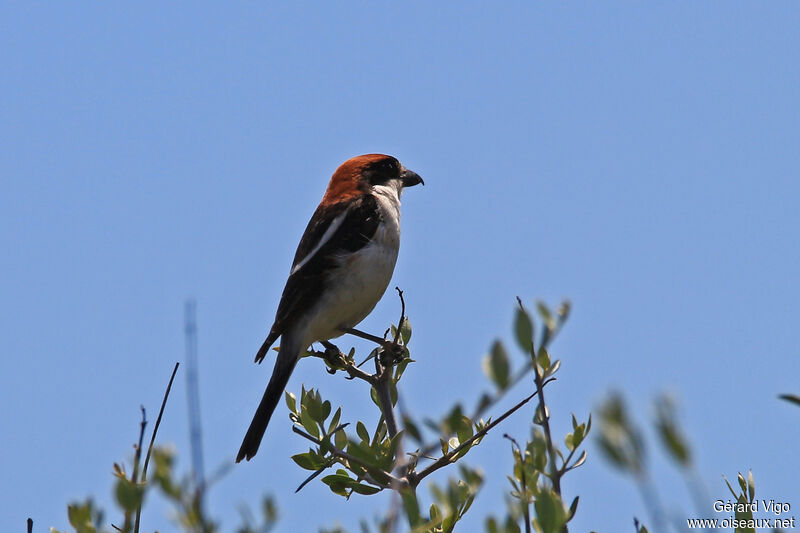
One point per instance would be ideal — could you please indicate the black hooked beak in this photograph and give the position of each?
(410, 178)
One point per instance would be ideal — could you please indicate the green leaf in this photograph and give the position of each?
(339, 482)
(568, 441)
(550, 512)
(405, 331)
(542, 414)
(573, 508)
(291, 401)
(543, 358)
(464, 429)
(335, 420)
(580, 461)
(523, 327)
(340, 439)
(80, 517)
(129, 495)
(308, 423)
(361, 431)
(411, 428)
(361, 488)
(545, 313)
(313, 406)
(496, 366)
(309, 460)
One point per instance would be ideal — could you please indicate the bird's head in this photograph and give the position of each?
(370, 173)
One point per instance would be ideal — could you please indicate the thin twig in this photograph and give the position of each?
(138, 455)
(153, 439)
(392, 481)
(445, 459)
(364, 335)
(526, 502)
(499, 395)
(383, 387)
(402, 315)
(555, 475)
(352, 370)
(314, 475)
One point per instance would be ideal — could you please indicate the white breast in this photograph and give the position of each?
(362, 278)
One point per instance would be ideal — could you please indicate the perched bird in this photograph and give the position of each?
(342, 266)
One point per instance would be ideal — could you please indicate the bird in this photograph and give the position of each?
(342, 267)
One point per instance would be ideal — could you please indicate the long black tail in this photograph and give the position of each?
(284, 365)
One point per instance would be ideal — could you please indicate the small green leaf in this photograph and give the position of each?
(308, 423)
(80, 517)
(550, 512)
(361, 431)
(405, 331)
(340, 439)
(308, 461)
(291, 401)
(573, 508)
(339, 482)
(742, 483)
(496, 366)
(129, 495)
(580, 461)
(543, 358)
(523, 327)
(362, 488)
(335, 420)
(545, 313)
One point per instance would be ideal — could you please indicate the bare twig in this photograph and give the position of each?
(555, 475)
(314, 475)
(526, 503)
(383, 387)
(364, 335)
(493, 399)
(343, 364)
(446, 458)
(390, 480)
(153, 439)
(402, 314)
(328, 465)
(138, 455)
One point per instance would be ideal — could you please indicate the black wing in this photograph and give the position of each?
(308, 282)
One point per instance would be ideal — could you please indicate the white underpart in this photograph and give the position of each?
(362, 277)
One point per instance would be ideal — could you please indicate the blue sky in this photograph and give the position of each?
(640, 159)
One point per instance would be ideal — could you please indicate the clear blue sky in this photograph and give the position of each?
(638, 158)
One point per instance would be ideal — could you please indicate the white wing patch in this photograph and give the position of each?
(325, 238)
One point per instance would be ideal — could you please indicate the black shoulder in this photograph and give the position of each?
(319, 252)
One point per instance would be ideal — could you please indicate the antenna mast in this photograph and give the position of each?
(193, 398)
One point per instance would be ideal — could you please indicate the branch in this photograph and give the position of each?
(555, 476)
(153, 439)
(526, 504)
(446, 458)
(341, 454)
(342, 363)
